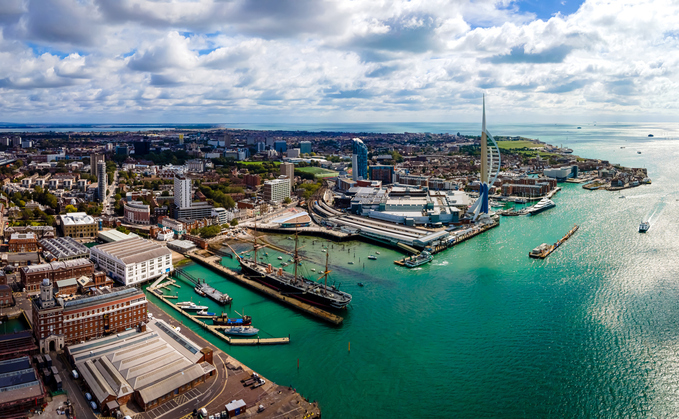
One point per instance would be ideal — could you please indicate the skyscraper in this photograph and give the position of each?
(182, 191)
(305, 147)
(359, 160)
(102, 179)
(94, 161)
(288, 170)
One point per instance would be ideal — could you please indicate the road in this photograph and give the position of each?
(109, 203)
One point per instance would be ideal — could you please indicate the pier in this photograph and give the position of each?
(545, 249)
(215, 329)
(216, 266)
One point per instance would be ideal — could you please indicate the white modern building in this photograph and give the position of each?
(182, 191)
(102, 181)
(222, 214)
(132, 261)
(276, 190)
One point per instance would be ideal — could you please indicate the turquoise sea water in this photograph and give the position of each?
(484, 331)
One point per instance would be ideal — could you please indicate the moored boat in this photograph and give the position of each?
(190, 305)
(241, 331)
(421, 259)
(224, 320)
(372, 257)
(543, 205)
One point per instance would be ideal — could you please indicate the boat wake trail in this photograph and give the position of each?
(655, 213)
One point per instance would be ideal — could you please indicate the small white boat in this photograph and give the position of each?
(313, 270)
(351, 263)
(323, 250)
(377, 253)
(190, 305)
(280, 257)
(372, 257)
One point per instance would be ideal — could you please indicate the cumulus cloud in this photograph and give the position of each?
(338, 59)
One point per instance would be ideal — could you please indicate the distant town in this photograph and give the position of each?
(89, 217)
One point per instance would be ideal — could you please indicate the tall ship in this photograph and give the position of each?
(543, 205)
(294, 285)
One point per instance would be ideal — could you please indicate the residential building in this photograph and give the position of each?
(294, 153)
(136, 212)
(221, 214)
(252, 181)
(132, 261)
(32, 275)
(182, 191)
(57, 322)
(288, 170)
(382, 173)
(276, 190)
(102, 181)
(78, 224)
(359, 160)
(94, 161)
(176, 226)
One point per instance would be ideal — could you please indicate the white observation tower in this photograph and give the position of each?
(490, 168)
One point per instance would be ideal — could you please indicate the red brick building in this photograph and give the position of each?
(56, 324)
(32, 275)
(252, 181)
(23, 242)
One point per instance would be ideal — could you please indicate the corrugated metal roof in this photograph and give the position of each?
(171, 383)
(133, 250)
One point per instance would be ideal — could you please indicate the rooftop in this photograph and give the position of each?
(66, 264)
(132, 250)
(64, 247)
(76, 218)
(115, 236)
(22, 236)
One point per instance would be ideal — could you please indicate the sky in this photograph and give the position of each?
(236, 61)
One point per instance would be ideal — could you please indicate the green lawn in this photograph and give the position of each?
(317, 171)
(510, 145)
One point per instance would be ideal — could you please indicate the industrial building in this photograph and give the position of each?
(150, 365)
(78, 225)
(132, 261)
(298, 219)
(110, 236)
(57, 322)
(63, 248)
(20, 387)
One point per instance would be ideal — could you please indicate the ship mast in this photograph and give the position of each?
(255, 242)
(325, 288)
(296, 257)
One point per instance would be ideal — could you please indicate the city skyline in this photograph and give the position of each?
(141, 61)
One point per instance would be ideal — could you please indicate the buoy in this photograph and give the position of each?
(349, 346)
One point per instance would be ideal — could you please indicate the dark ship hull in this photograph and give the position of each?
(301, 289)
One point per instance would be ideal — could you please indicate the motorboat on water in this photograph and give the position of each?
(280, 257)
(372, 257)
(644, 226)
(190, 305)
(241, 331)
(415, 261)
(543, 205)
(377, 253)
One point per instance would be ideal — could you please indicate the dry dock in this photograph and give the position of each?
(214, 263)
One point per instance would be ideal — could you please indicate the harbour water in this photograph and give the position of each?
(485, 331)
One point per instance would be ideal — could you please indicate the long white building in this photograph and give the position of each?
(132, 261)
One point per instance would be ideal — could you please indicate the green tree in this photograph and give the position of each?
(234, 222)
(123, 230)
(71, 208)
(165, 193)
(287, 200)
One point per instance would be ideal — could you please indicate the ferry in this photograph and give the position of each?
(543, 205)
(421, 259)
(190, 305)
(644, 226)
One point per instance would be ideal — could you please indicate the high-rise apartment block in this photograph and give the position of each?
(276, 190)
(288, 170)
(182, 191)
(94, 161)
(102, 179)
(359, 160)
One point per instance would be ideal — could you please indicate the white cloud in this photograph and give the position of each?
(389, 60)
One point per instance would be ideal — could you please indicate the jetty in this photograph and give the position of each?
(215, 329)
(213, 263)
(546, 249)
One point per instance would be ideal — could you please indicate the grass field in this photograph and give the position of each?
(511, 145)
(317, 171)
